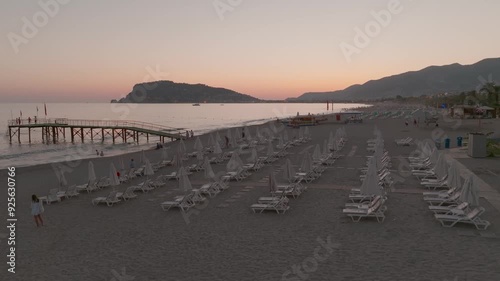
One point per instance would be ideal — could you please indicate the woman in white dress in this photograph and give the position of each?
(37, 210)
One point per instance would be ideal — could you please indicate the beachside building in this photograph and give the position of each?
(472, 111)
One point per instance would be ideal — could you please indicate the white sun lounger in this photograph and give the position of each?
(128, 194)
(53, 196)
(472, 217)
(451, 209)
(280, 206)
(184, 204)
(377, 211)
(440, 201)
(109, 200)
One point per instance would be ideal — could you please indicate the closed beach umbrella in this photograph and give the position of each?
(272, 183)
(234, 163)
(198, 146)
(306, 132)
(92, 177)
(441, 167)
(288, 171)
(248, 137)
(229, 135)
(61, 177)
(178, 159)
(470, 192)
(217, 148)
(317, 153)
(211, 140)
(237, 132)
(326, 151)
(184, 182)
(164, 154)
(217, 138)
(209, 172)
(306, 163)
(270, 149)
(199, 156)
(370, 184)
(182, 147)
(454, 179)
(148, 169)
(330, 140)
(113, 177)
(233, 141)
(253, 155)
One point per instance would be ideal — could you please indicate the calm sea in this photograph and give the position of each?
(200, 119)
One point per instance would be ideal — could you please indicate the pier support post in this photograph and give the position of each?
(81, 134)
(147, 137)
(113, 134)
(29, 135)
(72, 135)
(102, 134)
(10, 135)
(91, 134)
(124, 134)
(19, 135)
(54, 134)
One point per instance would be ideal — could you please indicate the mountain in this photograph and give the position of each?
(171, 92)
(453, 78)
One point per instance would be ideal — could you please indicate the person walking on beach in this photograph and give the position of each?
(102, 153)
(29, 120)
(406, 123)
(415, 122)
(97, 152)
(37, 210)
(132, 164)
(187, 134)
(192, 134)
(35, 119)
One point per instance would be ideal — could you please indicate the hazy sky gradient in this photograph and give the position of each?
(97, 50)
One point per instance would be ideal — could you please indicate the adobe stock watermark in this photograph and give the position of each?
(309, 265)
(31, 27)
(363, 37)
(224, 6)
(121, 276)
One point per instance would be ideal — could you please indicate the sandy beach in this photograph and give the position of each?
(224, 240)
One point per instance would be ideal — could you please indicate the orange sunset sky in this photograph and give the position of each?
(94, 51)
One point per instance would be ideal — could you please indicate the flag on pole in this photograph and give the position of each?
(45, 106)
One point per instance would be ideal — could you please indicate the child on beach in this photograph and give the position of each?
(37, 210)
(102, 153)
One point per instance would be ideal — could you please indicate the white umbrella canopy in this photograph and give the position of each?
(218, 138)
(199, 156)
(236, 136)
(181, 147)
(229, 135)
(164, 154)
(272, 183)
(248, 137)
(113, 177)
(184, 182)
(92, 177)
(61, 177)
(288, 171)
(237, 132)
(143, 157)
(253, 155)
(326, 151)
(234, 163)
(306, 163)
(370, 184)
(211, 140)
(306, 132)
(434, 156)
(178, 159)
(470, 192)
(454, 179)
(317, 153)
(441, 167)
(148, 169)
(198, 146)
(209, 172)
(379, 149)
(270, 149)
(217, 148)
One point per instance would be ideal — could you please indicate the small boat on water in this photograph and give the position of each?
(196, 104)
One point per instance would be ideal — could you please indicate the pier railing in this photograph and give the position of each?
(93, 123)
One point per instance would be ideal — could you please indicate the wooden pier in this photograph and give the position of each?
(53, 130)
